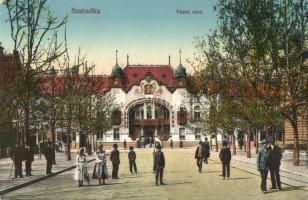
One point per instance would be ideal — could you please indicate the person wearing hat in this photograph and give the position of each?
(206, 149)
(132, 160)
(262, 164)
(199, 155)
(50, 156)
(100, 168)
(225, 158)
(115, 159)
(275, 156)
(159, 164)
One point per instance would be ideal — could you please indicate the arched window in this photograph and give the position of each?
(149, 111)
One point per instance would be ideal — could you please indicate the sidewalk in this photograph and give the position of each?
(9, 183)
(298, 173)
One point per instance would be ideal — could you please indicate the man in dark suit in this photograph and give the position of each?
(115, 159)
(225, 158)
(206, 149)
(17, 157)
(29, 159)
(199, 156)
(262, 164)
(159, 164)
(50, 156)
(275, 156)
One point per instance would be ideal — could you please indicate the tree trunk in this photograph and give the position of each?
(273, 130)
(248, 142)
(69, 141)
(296, 143)
(266, 132)
(216, 143)
(53, 139)
(245, 141)
(257, 141)
(233, 144)
(26, 139)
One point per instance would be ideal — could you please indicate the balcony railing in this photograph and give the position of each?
(150, 122)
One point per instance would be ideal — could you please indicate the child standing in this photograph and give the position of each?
(132, 160)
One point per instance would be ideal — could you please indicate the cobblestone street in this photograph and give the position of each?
(181, 178)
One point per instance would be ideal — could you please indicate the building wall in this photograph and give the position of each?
(180, 97)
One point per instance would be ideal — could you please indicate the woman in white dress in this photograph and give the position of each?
(100, 169)
(81, 169)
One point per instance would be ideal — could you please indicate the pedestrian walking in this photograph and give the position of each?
(275, 156)
(132, 160)
(171, 144)
(262, 164)
(240, 143)
(206, 149)
(225, 158)
(199, 156)
(81, 173)
(16, 156)
(115, 159)
(159, 165)
(100, 168)
(49, 155)
(29, 156)
(124, 144)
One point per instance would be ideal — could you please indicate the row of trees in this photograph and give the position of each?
(70, 100)
(252, 68)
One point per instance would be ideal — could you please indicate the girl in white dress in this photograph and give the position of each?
(81, 173)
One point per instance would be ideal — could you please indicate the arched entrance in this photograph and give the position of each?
(149, 118)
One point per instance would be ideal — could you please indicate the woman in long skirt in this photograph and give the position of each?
(81, 173)
(100, 169)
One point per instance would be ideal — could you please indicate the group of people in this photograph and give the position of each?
(20, 154)
(202, 153)
(144, 141)
(269, 158)
(100, 170)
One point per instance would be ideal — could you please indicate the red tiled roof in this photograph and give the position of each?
(135, 73)
(97, 85)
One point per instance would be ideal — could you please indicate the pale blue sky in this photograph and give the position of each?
(148, 30)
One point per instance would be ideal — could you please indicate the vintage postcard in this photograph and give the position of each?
(153, 99)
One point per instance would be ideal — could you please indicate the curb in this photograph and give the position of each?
(16, 187)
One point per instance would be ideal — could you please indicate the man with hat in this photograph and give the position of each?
(115, 159)
(275, 156)
(132, 160)
(159, 164)
(50, 156)
(262, 164)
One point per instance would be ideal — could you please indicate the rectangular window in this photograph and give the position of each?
(197, 116)
(116, 134)
(182, 133)
(279, 135)
(197, 134)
